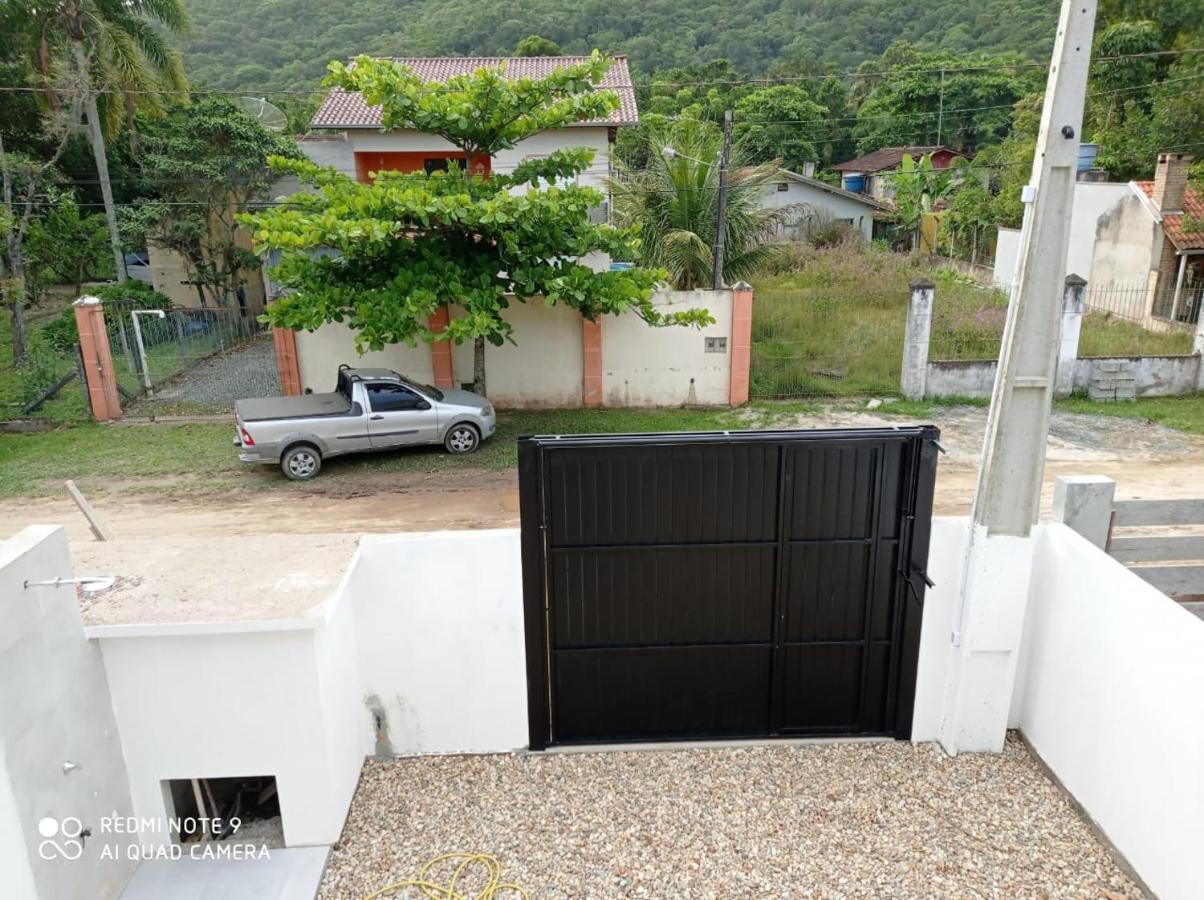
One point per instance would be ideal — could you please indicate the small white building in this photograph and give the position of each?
(815, 203)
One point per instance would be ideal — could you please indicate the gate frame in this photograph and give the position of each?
(911, 575)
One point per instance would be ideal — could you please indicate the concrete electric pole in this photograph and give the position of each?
(989, 619)
(721, 223)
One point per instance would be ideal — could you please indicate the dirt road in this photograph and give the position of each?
(1147, 461)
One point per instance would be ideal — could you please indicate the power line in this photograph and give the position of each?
(766, 80)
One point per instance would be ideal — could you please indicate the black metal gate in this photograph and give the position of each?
(742, 584)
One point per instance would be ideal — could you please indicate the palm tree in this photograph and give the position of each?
(114, 46)
(675, 203)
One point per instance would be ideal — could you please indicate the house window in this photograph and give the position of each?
(783, 186)
(386, 397)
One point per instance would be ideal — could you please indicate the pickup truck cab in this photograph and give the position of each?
(370, 410)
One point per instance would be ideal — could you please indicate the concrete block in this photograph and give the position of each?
(1084, 503)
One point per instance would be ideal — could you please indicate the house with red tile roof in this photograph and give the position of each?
(1151, 242)
(367, 149)
(870, 174)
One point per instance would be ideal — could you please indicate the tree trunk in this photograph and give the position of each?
(96, 138)
(478, 366)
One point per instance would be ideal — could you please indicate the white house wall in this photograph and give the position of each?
(1128, 245)
(1111, 702)
(798, 194)
(595, 138)
(1091, 200)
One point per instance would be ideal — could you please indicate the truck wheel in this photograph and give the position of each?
(462, 438)
(301, 462)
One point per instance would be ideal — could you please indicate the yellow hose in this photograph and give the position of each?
(435, 891)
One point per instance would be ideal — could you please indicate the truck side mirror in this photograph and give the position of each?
(422, 404)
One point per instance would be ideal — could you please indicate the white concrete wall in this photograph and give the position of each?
(644, 365)
(54, 709)
(1112, 704)
(960, 378)
(1091, 200)
(946, 558)
(1128, 244)
(439, 627)
(257, 699)
(542, 368)
(1157, 376)
(859, 215)
(321, 352)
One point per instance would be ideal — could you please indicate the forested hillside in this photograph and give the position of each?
(272, 44)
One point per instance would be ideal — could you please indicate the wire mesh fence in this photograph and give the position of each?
(824, 346)
(968, 324)
(188, 360)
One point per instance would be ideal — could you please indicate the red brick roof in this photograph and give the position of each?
(887, 159)
(1172, 223)
(342, 109)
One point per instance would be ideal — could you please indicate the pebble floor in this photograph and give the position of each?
(884, 819)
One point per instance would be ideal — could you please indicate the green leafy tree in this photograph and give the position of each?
(967, 223)
(408, 244)
(913, 104)
(110, 45)
(67, 245)
(780, 122)
(674, 202)
(536, 45)
(23, 179)
(207, 162)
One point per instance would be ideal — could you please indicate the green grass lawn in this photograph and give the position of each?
(201, 458)
(835, 326)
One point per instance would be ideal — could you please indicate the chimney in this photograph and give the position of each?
(1170, 181)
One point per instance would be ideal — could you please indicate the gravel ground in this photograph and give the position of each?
(218, 381)
(841, 820)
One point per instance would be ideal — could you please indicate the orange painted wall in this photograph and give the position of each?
(367, 162)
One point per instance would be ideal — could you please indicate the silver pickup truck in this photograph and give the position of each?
(370, 409)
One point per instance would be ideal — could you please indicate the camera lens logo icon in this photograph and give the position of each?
(61, 838)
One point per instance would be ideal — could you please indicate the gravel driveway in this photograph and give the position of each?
(883, 819)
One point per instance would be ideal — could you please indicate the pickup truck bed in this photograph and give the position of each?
(303, 406)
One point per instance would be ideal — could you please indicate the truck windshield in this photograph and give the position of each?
(427, 389)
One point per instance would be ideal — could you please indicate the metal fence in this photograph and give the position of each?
(1165, 305)
(190, 360)
(825, 346)
(968, 324)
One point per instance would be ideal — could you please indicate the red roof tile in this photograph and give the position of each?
(887, 159)
(342, 109)
(1172, 223)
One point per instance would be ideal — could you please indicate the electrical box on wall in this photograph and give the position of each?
(716, 344)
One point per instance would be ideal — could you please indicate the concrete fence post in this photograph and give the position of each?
(741, 343)
(1084, 504)
(100, 378)
(1197, 346)
(1074, 304)
(915, 341)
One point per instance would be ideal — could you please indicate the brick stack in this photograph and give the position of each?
(1114, 379)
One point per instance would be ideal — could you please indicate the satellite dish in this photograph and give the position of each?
(269, 116)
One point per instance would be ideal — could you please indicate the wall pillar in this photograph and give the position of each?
(1083, 503)
(914, 377)
(99, 376)
(1074, 304)
(741, 343)
(591, 362)
(288, 366)
(441, 351)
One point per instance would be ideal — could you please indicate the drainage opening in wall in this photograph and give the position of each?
(243, 810)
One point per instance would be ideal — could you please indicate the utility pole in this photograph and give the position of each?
(940, 115)
(721, 223)
(989, 618)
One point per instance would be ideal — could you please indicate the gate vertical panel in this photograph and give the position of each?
(531, 540)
